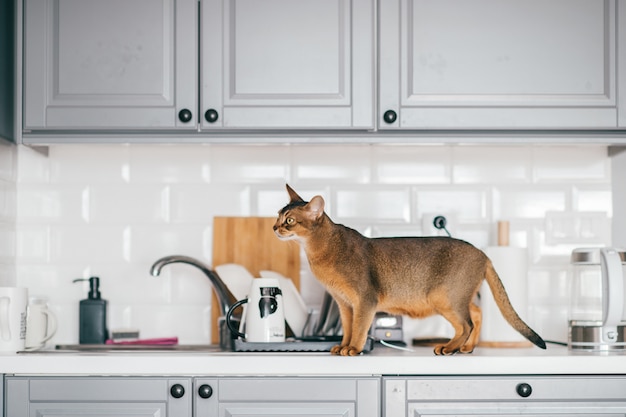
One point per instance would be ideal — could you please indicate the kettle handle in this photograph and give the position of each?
(229, 316)
(612, 293)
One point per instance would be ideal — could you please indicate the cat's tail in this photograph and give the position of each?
(504, 304)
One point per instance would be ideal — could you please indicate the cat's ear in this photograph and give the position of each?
(316, 207)
(295, 198)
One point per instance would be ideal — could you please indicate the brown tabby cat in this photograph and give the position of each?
(413, 276)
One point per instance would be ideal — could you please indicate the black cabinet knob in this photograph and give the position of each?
(524, 390)
(205, 391)
(177, 391)
(184, 115)
(390, 116)
(211, 115)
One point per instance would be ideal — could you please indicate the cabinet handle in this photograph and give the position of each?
(390, 116)
(184, 115)
(524, 390)
(211, 115)
(205, 391)
(177, 391)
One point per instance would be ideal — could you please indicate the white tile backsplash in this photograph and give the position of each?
(112, 210)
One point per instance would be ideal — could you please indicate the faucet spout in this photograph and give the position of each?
(225, 298)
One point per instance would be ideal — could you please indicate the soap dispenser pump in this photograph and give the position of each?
(93, 315)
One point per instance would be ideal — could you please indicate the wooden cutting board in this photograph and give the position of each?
(251, 242)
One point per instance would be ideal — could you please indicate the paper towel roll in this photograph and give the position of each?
(511, 264)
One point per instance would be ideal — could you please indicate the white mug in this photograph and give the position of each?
(41, 323)
(13, 303)
(264, 316)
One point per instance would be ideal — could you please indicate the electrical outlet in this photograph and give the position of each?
(428, 226)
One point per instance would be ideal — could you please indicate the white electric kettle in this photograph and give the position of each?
(597, 316)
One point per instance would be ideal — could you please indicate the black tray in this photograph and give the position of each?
(307, 344)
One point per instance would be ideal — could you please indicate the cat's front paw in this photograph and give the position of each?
(345, 350)
(335, 350)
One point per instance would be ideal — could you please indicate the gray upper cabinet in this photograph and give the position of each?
(492, 64)
(107, 65)
(133, 65)
(287, 64)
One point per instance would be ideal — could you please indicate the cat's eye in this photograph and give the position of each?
(290, 221)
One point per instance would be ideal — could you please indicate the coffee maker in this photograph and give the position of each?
(597, 315)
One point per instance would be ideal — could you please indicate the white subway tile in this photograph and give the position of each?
(8, 274)
(480, 165)
(378, 204)
(411, 165)
(190, 323)
(200, 203)
(598, 198)
(150, 242)
(89, 164)
(8, 201)
(464, 203)
(70, 243)
(52, 203)
(33, 165)
(32, 243)
(8, 161)
(575, 163)
(527, 202)
(7, 242)
(249, 164)
(128, 204)
(169, 164)
(335, 163)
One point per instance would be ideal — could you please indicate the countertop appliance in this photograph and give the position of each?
(597, 321)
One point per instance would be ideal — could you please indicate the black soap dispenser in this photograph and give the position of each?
(93, 315)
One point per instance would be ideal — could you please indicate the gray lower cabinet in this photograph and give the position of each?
(287, 396)
(98, 396)
(504, 396)
(187, 397)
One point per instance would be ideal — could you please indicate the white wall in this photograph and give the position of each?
(8, 212)
(112, 210)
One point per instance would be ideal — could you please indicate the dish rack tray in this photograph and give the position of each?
(307, 344)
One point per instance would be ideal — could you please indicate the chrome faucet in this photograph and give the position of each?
(225, 298)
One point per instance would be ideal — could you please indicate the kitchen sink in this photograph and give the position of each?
(129, 348)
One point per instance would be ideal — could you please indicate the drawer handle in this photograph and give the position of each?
(524, 390)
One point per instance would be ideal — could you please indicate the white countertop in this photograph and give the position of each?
(555, 360)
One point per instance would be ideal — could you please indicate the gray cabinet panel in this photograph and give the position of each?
(493, 64)
(288, 63)
(268, 396)
(96, 396)
(503, 396)
(109, 65)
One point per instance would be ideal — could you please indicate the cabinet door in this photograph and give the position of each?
(341, 397)
(115, 64)
(505, 396)
(97, 397)
(621, 44)
(493, 64)
(287, 64)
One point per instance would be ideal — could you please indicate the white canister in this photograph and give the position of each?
(13, 313)
(264, 317)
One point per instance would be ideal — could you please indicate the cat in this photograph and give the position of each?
(413, 276)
